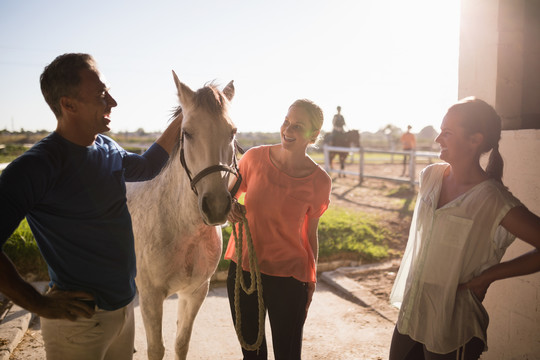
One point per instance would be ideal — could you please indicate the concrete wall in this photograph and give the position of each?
(500, 63)
(514, 304)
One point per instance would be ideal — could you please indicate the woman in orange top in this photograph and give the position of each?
(285, 194)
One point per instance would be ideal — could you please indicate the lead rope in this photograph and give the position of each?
(256, 284)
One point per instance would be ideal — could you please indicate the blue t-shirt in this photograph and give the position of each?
(74, 198)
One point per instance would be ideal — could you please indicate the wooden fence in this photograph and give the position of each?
(413, 158)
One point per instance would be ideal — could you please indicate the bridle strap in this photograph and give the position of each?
(209, 170)
(212, 169)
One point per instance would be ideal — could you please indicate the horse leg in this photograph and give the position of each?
(151, 302)
(342, 163)
(188, 307)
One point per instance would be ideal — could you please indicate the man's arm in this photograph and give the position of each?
(14, 287)
(170, 136)
(55, 305)
(148, 165)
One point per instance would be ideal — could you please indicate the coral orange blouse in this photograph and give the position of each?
(277, 209)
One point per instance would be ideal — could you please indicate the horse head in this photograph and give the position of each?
(207, 147)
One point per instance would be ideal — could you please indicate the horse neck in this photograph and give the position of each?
(175, 191)
(353, 137)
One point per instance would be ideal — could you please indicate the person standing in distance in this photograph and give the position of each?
(408, 143)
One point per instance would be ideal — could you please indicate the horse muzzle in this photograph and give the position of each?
(215, 207)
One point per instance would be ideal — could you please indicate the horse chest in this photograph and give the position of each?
(198, 253)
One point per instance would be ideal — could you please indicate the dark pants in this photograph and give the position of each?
(285, 299)
(405, 161)
(405, 348)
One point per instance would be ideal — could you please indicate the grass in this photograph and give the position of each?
(22, 249)
(351, 235)
(11, 152)
(343, 234)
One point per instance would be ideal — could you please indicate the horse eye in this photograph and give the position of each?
(187, 135)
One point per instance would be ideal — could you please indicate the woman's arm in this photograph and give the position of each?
(313, 226)
(526, 226)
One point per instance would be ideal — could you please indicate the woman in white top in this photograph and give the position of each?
(462, 224)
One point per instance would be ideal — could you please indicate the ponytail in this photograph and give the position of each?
(494, 168)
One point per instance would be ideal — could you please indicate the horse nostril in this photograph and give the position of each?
(204, 205)
(216, 209)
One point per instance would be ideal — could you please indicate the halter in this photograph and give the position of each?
(233, 169)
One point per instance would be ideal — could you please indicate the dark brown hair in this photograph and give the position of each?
(477, 116)
(62, 77)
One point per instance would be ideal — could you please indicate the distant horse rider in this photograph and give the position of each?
(338, 131)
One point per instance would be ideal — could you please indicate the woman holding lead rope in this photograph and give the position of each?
(286, 192)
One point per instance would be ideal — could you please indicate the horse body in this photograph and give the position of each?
(178, 239)
(346, 139)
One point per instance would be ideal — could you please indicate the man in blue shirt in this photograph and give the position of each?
(71, 188)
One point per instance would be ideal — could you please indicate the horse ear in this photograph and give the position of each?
(185, 94)
(229, 90)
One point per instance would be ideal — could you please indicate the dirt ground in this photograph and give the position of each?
(391, 202)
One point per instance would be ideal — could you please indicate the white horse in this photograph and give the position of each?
(176, 216)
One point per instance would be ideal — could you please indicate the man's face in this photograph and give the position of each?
(94, 104)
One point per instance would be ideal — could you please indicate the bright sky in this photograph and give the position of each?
(383, 61)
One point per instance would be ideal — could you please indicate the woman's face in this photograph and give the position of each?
(296, 130)
(455, 144)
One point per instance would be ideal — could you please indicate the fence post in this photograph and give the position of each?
(361, 175)
(412, 167)
(326, 158)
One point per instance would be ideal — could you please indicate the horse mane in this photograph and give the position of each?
(176, 149)
(211, 99)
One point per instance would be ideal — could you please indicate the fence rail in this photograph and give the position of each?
(413, 156)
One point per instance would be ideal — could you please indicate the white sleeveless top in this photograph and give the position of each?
(447, 247)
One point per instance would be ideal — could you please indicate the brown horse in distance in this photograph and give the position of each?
(350, 138)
